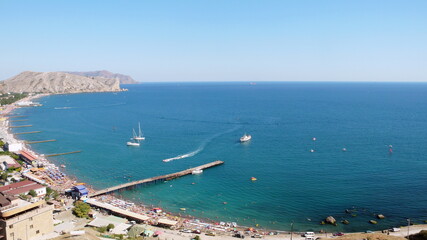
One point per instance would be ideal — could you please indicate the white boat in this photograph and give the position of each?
(245, 138)
(134, 142)
(197, 171)
(139, 137)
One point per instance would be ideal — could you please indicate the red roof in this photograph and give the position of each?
(22, 190)
(28, 156)
(20, 187)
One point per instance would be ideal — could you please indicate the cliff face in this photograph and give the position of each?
(57, 82)
(124, 79)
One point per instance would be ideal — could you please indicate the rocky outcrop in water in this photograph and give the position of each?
(124, 79)
(58, 82)
(331, 220)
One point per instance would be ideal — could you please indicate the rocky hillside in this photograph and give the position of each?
(57, 82)
(124, 79)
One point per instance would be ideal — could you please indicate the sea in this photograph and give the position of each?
(317, 149)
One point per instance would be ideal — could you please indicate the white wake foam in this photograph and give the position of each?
(202, 145)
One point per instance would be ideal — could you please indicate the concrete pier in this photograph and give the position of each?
(162, 178)
(52, 140)
(59, 154)
(27, 132)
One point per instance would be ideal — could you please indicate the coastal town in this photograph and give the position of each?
(39, 201)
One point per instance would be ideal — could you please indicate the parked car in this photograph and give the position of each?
(309, 234)
(257, 236)
(196, 231)
(210, 234)
(338, 234)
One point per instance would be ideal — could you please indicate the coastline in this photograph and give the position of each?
(109, 198)
(65, 182)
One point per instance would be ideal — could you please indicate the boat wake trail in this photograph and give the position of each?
(202, 145)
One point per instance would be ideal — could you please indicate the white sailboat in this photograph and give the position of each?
(139, 137)
(134, 142)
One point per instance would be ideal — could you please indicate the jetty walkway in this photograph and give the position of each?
(162, 178)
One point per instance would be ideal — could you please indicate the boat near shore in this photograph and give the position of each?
(197, 171)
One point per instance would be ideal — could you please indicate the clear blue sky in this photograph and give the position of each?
(218, 40)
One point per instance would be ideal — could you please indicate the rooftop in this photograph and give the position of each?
(20, 187)
(10, 161)
(28, 156)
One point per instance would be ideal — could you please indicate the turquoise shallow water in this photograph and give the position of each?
(293, 184)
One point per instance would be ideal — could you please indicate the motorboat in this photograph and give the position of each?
(197, 171)
(245, 138)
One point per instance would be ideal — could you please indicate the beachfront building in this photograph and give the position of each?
(24, 187)
(28, 158)
(20, 219)
(79, 192)
(7, 162)
(12, 146)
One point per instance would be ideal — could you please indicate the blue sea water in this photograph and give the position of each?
(207, 119)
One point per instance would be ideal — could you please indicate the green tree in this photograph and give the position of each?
(48, 191)
(81, 209)
(55, 194)
(3, 176)
(32, 193)
(110, 226)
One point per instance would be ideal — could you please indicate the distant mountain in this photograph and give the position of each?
(124, 79)
(58, 82)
